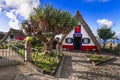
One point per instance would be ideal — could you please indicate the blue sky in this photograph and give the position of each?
(94, 12)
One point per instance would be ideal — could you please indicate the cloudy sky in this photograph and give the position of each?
(95, 12)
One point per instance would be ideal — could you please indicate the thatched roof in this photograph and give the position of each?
(1, 35)
(87, 28)
(14, 32)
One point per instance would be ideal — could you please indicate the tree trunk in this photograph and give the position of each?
(41, 37)
(59, 44)
(28, 51)
(104, 44)
(48, 46)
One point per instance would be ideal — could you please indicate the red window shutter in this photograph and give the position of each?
(77, 29)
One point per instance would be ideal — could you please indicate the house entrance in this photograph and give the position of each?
(77, 41)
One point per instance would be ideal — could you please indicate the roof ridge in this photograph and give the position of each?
(87, 28)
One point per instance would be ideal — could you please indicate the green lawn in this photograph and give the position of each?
(98, 59)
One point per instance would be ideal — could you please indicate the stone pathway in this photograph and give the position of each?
(22, 72)
(76, 67)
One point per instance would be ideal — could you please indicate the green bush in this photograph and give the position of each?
(3, 47)
(97, 58)
(117, 50)
(106, 49)
(48, 61)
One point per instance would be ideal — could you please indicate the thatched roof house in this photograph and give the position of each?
(13, 34)
(87, 28)
(81, 37)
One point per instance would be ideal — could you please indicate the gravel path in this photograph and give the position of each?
(76, 67)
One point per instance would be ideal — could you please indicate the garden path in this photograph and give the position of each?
(76, 67)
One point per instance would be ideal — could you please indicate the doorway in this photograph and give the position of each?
(77, 42)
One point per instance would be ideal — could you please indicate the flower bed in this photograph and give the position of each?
(97, 59)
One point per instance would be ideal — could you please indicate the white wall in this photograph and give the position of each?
(84, 35)
(8, 39)
(70, 35)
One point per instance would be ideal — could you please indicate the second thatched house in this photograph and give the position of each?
(12, 34)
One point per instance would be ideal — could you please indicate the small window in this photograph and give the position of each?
(11, 36)
(85, 40)
(77, 29)
(69, 40)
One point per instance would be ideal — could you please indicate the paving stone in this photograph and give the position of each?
(75, 67)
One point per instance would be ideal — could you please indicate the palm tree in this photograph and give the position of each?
(50, 20)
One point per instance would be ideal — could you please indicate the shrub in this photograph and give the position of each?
(106, 49)
(3, 47)
(117, 50)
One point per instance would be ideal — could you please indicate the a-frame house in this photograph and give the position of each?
(12, 34)
(81, 37)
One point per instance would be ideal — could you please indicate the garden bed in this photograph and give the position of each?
(54, 70)
(97, 59)
(49, 63)
(3, 47)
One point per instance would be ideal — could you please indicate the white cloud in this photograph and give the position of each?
(11, 14)
(107, 22)
(14, 23)
(14, 9)
(0, 10)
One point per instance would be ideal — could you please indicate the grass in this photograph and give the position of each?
(21, 51)
(47, 62)
(3, 47)
(97, 59)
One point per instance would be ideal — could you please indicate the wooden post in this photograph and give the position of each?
(27, 51)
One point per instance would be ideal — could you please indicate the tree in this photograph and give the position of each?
(51, 21)
(105, 33)
(112, 40)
